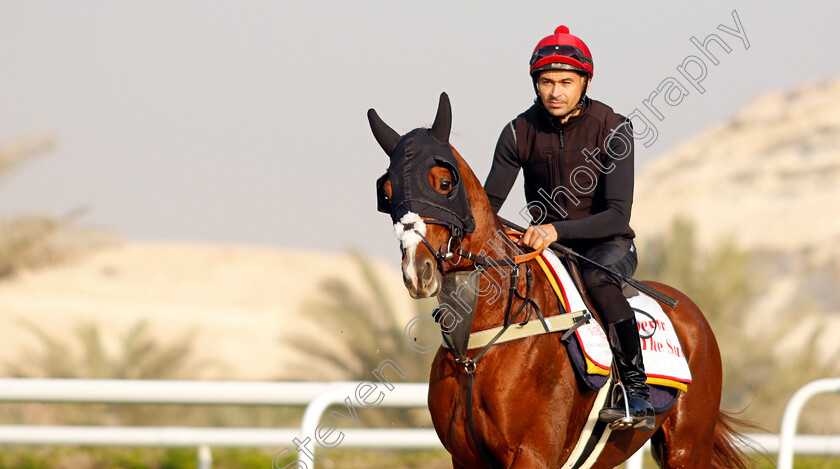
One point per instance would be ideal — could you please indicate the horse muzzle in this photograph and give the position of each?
(421, 277)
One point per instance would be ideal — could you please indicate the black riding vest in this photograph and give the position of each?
(551, 154)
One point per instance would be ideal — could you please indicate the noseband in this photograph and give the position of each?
(456, 236)
(414, 225)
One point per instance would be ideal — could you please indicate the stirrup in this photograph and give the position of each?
(627, 422)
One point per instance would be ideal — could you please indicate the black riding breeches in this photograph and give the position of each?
(618, 254)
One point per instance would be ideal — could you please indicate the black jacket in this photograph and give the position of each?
(578, 175)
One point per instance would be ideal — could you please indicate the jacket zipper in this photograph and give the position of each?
(560, 167)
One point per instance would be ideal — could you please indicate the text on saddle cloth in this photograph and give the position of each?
(665, 362)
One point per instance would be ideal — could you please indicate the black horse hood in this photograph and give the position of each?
(413, 155)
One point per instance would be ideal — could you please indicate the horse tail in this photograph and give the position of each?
(727, 453)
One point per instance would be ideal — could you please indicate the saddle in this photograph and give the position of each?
(595, 433)
(589, 351)
(575, 272)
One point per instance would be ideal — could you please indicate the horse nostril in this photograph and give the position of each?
(428, 272)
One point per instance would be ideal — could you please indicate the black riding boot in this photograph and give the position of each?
(627, 351)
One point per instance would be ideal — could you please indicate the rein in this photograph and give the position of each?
(477, 259)
(481, 263)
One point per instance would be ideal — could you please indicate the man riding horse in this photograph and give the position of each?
(577, 157)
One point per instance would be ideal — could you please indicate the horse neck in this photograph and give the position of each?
(489, 239)
(488, 227)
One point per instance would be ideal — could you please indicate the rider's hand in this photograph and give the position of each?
(539, 237)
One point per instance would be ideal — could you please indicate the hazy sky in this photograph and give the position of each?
(244, 122)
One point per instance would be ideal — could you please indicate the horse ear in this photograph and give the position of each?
(386, 136)
(443, 120)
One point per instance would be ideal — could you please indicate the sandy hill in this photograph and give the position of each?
(770, 179)
(770, 176)
(239, 301)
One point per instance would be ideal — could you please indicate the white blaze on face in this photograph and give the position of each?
(410, 231)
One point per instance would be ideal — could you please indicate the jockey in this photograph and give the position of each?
(576, 154)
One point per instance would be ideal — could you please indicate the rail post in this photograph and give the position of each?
(787, 433)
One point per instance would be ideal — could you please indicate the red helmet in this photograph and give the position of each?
(562, 51)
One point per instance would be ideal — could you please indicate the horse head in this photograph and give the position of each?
(431, 195)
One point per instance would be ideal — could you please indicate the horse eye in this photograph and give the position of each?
(446, 184)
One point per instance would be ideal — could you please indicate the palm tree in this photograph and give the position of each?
(366, 331)
(23, 148)
(141, 356)
(723, 282)
(363, 332)
(32, 241)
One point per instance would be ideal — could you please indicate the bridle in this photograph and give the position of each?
(482, 263)
(456, 236)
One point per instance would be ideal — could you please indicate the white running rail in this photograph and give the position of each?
(317, 397)
(787, 441)
(790, 418)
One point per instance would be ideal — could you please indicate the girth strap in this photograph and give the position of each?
(558, 323)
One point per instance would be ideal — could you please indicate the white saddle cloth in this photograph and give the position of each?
(665, 362)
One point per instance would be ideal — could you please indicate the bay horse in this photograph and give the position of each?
(521, 405)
